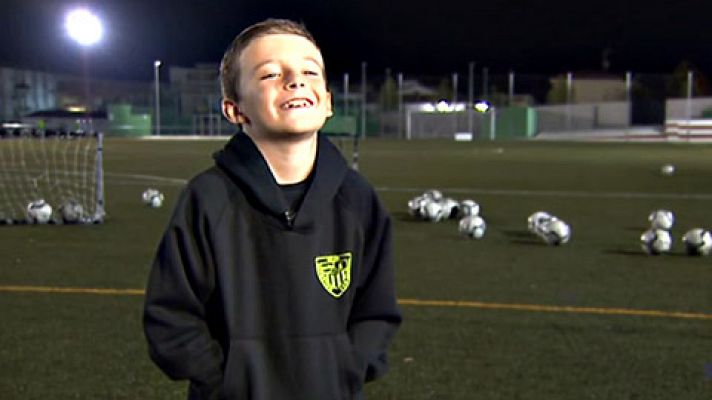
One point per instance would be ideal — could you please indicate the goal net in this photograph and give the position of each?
(433, 124)
(62, 169)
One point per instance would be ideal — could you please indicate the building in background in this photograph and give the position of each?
(25, 91)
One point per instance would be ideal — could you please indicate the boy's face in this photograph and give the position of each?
(282, 87)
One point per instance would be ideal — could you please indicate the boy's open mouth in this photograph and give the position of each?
(297, 103)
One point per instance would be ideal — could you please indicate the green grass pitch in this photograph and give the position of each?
(90, 346)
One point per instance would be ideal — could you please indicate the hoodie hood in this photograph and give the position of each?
(244, 163)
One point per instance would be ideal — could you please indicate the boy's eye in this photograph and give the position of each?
(311, 73)
(271, 75)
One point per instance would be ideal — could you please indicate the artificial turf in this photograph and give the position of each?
(90, 346)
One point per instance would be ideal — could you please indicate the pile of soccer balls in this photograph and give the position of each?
(434, 207)
(549, 228)
(658, 240)
(152, 198)
(40, 212)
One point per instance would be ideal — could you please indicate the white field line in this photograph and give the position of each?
(557, 193)
(140, 179)
(130, 179)
(185, 137)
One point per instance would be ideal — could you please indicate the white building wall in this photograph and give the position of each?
(677, 108)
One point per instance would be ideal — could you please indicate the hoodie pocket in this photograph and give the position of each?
(314, 367)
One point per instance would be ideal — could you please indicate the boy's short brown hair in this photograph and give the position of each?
(229, 66)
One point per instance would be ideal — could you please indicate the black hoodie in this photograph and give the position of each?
(251, 300)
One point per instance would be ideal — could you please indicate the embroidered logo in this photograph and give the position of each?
(334, 272)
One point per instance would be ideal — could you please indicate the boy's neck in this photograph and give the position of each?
(291, 158)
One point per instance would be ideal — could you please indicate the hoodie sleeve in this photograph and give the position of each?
(180, 283)
(375, 316)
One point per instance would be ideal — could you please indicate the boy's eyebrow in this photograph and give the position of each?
(271, 60)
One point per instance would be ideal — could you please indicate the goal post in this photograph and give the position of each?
(433, 124)
(62, 169)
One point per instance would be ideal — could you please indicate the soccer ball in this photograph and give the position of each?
(415, 206)
(537, 220)
(656, 241)
(469, 207)
(72, 211)
(698, 242)
(435, 212)
(451, 207)
(472, 226)
(667, 170)
(433, 194)
(555, 231)
(661, 219)
(153, 198)
(39, 212)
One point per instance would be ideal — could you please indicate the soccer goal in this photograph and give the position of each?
(51, 177)
(437, 124)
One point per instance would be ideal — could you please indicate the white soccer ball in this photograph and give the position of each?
(414, 207)
(472, 226)
(451, 207)
(656, 241)
(152, 198)
(72, 211)
(435, 212)
(433, 194)
(469, 207)
(667, 170)
(39, 211)
(555, 231)
(661, 219)
(537, 220)
(698, 242)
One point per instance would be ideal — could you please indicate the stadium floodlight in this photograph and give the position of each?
(84, 27)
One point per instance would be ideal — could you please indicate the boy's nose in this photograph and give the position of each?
(295, 84)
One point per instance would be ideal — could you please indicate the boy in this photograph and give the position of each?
(274, 279)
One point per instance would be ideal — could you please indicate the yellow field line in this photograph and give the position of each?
(47, 289)
(407, 302)
(556, 309)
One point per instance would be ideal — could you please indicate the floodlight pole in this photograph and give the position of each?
(493, 122)
(156, 77)
(628, 99)
(470, 95)
(688, 104)
(346, 94)
(400, 103)
(569, 95)
(511, 88)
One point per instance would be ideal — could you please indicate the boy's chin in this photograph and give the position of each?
(286, 134)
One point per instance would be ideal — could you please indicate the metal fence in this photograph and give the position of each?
(391, 104)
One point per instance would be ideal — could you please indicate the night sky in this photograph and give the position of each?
(414, 37)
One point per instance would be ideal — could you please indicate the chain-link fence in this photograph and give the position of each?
(390, 103)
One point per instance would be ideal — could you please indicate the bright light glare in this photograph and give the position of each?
(443, 106)
(482, 106)
(84, 27)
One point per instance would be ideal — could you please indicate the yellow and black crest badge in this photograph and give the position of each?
(334, 272)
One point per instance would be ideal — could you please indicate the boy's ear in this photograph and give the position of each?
(329, 105)
(231, 111)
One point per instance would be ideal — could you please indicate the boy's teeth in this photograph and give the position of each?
(297, 104)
